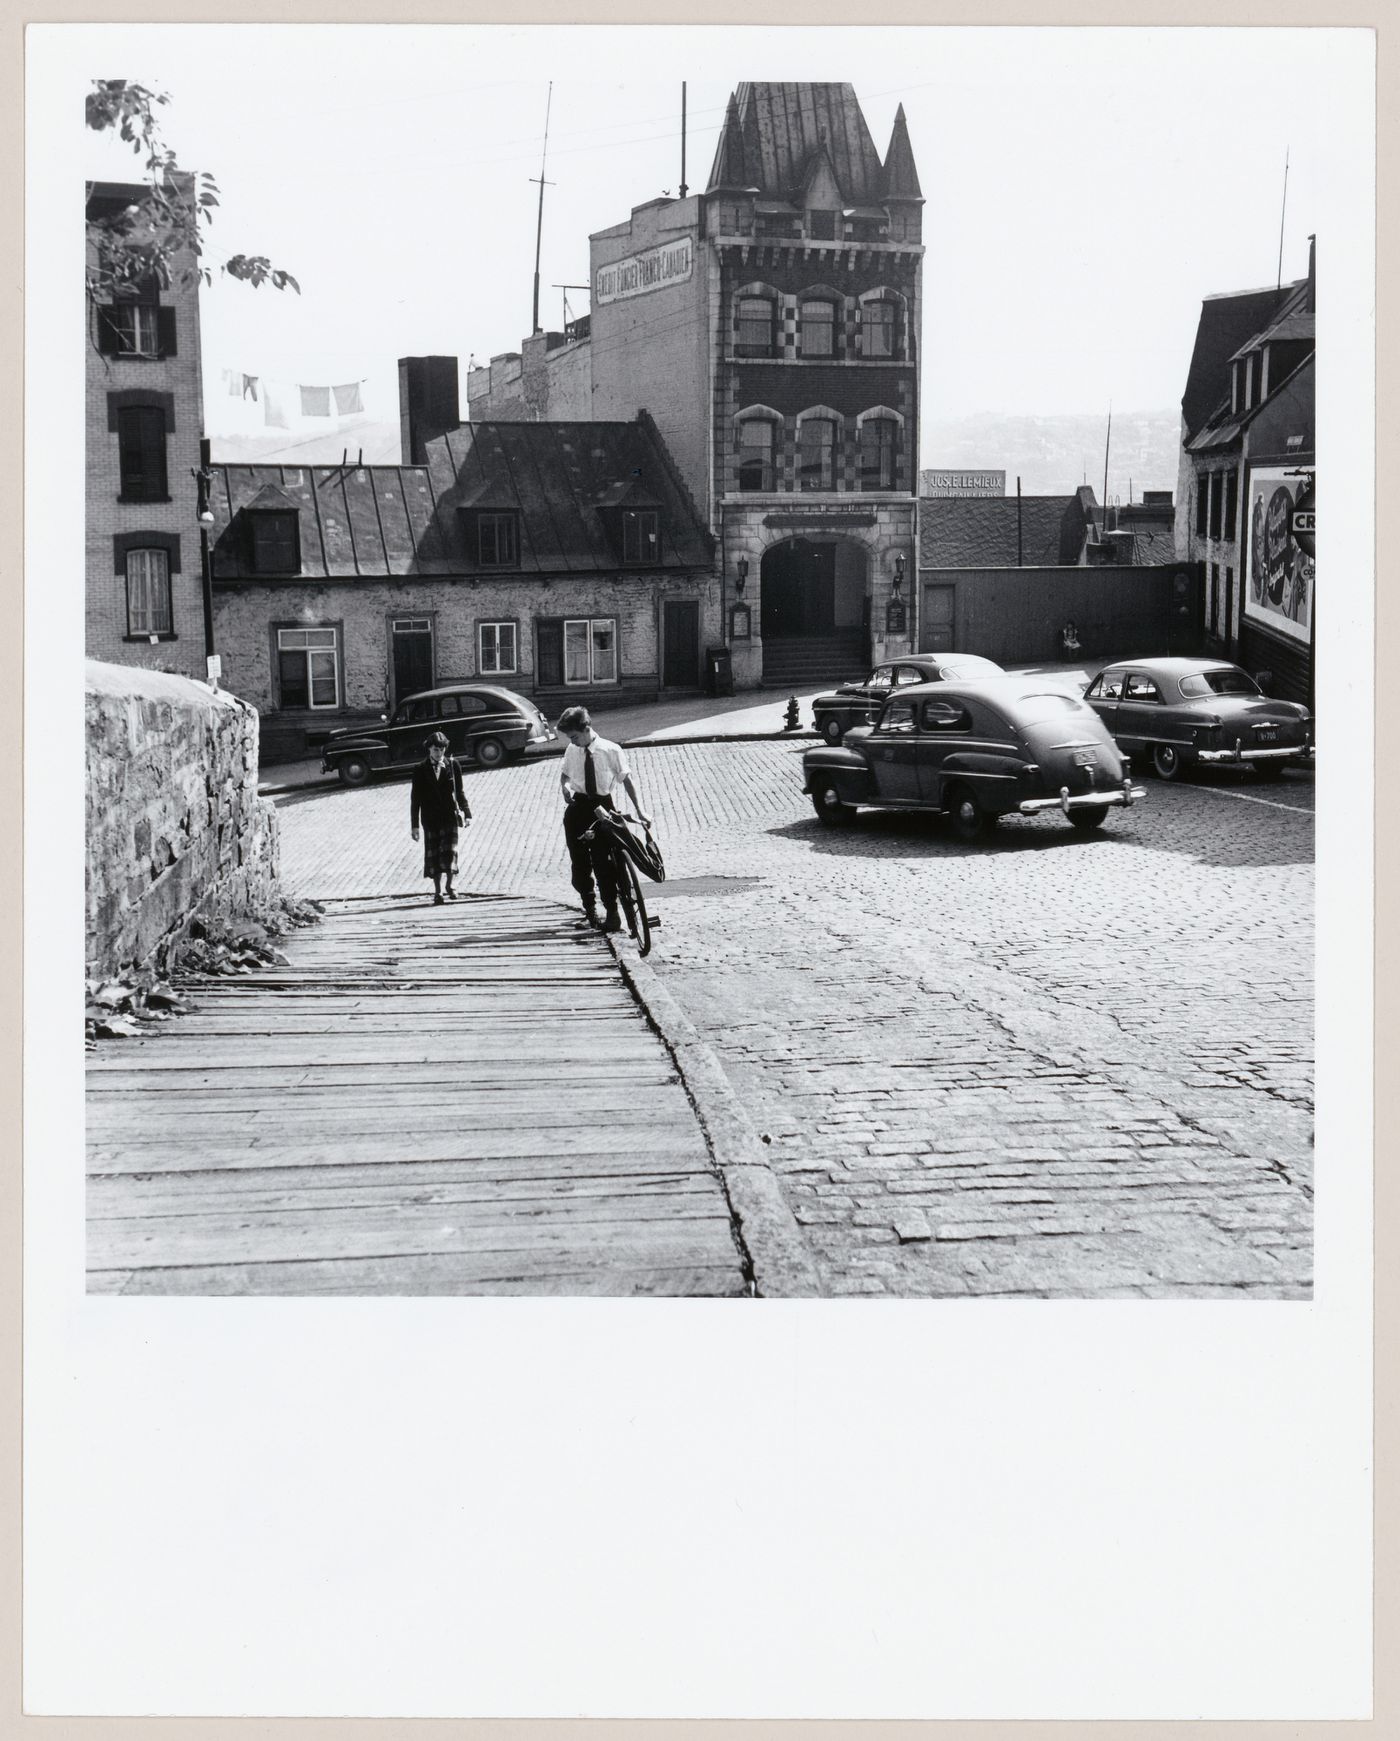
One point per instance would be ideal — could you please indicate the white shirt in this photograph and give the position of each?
(610, 767)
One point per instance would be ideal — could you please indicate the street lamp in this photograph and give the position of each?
(741, 572)
(204, 481)
(898, 575)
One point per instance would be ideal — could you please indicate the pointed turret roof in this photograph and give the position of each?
(728, 170)
(772, 130)
(901, 177)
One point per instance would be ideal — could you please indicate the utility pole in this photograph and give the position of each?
(1281, 216)
(1108, 436)
(539, 220)
(684, 189)
(204, 479)
(1020, 552)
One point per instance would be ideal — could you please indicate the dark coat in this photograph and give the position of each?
(438, 799)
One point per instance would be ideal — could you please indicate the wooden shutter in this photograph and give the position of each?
(165, 322)
(549, 654)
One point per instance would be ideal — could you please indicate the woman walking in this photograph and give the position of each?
(438, 799)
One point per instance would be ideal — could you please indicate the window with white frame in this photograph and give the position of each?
(148, 610)
(137, 328)
(308, 668)
(590, 650)
(496, 649)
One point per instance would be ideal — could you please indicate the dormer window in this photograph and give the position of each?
(497, 540)
(641, 535)
(821, 226)
(275, 543)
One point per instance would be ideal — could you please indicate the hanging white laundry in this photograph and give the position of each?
(250, 388)
(278, 405)
(315, 401)
(233, 381)
(347, 399)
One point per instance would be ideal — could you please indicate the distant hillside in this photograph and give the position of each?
(1054, 455)
(378, 440)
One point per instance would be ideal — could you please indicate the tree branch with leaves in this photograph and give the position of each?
(159, 239)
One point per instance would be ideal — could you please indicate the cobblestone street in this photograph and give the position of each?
(1053, 1064)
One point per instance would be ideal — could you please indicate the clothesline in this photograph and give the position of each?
(284, 400)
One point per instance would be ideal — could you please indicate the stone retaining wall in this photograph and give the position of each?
(175, 828)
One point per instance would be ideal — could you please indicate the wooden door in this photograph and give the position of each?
(412, 639)
(936, 619)
(680, 644)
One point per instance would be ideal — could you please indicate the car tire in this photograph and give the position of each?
(970, 821)
(1268, 770)
(490, 752)
(832, 730)
(832, 807)
(1088, 818)
(1167, 761)
(354, 771)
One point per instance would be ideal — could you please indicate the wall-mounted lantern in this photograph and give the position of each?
(741, 574)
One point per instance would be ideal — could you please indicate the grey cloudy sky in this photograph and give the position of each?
(1085, 188)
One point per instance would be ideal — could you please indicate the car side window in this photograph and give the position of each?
(1140, 688)
(898, 718)
(907, 674)
(418, 711)
(1107, 686)
(447, 706)
(881, 678)
(946, 716)
(471, 704)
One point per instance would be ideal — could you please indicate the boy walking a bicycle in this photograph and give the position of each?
(594, 768)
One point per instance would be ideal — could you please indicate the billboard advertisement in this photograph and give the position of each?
(639, 273)
(1280, 561)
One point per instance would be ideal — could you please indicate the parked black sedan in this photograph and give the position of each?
(974, 751)
(1183, 712)
(860, 703)
(483, 723)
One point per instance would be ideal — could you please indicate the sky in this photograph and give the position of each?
(1085, 188)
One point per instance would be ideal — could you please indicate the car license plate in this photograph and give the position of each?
(1265, 737)
(1085, 759)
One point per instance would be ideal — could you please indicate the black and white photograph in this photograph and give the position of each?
(702, 682)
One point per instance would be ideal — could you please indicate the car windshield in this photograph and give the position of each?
(1219, 683)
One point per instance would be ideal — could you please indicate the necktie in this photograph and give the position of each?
(590, 778)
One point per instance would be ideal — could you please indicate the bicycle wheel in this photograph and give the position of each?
(629, 892)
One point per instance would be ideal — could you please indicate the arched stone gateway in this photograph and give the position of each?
(814, 609)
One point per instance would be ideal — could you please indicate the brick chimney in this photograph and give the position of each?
(428, 403)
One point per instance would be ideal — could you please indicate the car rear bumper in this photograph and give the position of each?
(1125, 794)
(1269, 753)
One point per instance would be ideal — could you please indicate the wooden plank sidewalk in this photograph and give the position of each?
(427, 1100)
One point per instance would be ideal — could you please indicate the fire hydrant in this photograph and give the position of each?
(792, 722)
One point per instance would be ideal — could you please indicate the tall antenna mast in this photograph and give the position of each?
(1108, 436)
(539, 221)
(1282, 214)
(683, 186)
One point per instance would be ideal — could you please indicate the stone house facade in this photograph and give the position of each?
(563, 561)
(1247, 479)
(770, 326)
(144, 421)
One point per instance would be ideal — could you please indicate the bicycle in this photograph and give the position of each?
(629, 889)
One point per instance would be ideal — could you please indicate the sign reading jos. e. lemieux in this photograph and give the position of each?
(670, 264)
(950, 483)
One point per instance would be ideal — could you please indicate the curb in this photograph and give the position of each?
(733, 737)
(783, 1266)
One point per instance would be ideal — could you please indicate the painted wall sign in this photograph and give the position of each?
(639, 273)
(1279, 595)
(950, 483)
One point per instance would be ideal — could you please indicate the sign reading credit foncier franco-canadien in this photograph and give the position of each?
(638, 273)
